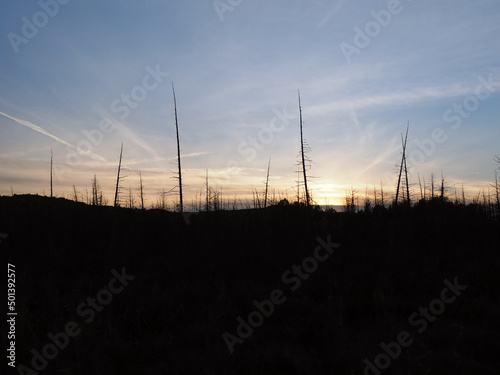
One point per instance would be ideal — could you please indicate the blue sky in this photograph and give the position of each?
(364, 69)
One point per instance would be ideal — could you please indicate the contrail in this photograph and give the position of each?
(45, 132)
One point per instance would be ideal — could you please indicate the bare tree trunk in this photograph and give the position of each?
(303, 156)
(207, 191)
(117, 203)
(267, 183)
(406, 169)
(75, 194)
(131, 200)
(95, 198)
(432, 185)
(298, 186)
(141, 189)
(403, 166)
(420, 184)
(441, 197)
(178, 151)
(497, 187)
(51, 169)
(497, 194)
(382, 193)
(399, 177)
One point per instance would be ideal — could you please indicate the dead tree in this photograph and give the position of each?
(382, 194)
(117, 202)
(75, 194)
(303, 155)
(497, 194)
(403, 167)
(131, 199)
(267, 183)
(207, 192)
(432, 186)
(442, 190)
(96, 194)
(178, 151)
(406, 169)
(141, 191)
(298, 186)
(497, 187)
(51, 170)
(420, 184)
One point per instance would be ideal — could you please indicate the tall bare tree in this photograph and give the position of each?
(131, 199)
(496, 186)
(403, 168)
(406, 168)
(207, 193)
(442, 190)
(51, 173)
(420, 184)
(267, 183)
(432, 185)
(382, 193)
(141, 191)
(75, 194)
(303, 155)
(178, 151)
(117, 202)
(95, 192)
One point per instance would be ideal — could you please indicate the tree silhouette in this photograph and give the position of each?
(117, 203)
(302, 153)
(178, 151)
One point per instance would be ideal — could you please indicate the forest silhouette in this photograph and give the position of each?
(194, 277)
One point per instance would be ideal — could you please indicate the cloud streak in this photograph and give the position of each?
(41, 130)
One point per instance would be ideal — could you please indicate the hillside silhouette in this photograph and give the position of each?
(195, 275)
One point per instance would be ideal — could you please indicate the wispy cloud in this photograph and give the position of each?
(41, 130)
(329, 15)
(391, 99)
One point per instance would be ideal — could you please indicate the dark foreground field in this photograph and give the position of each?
(116, 291)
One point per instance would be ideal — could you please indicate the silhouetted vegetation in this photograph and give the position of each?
(171, 318)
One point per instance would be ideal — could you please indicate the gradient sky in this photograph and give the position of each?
(364, 69)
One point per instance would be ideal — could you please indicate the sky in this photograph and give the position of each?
(81, 77)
